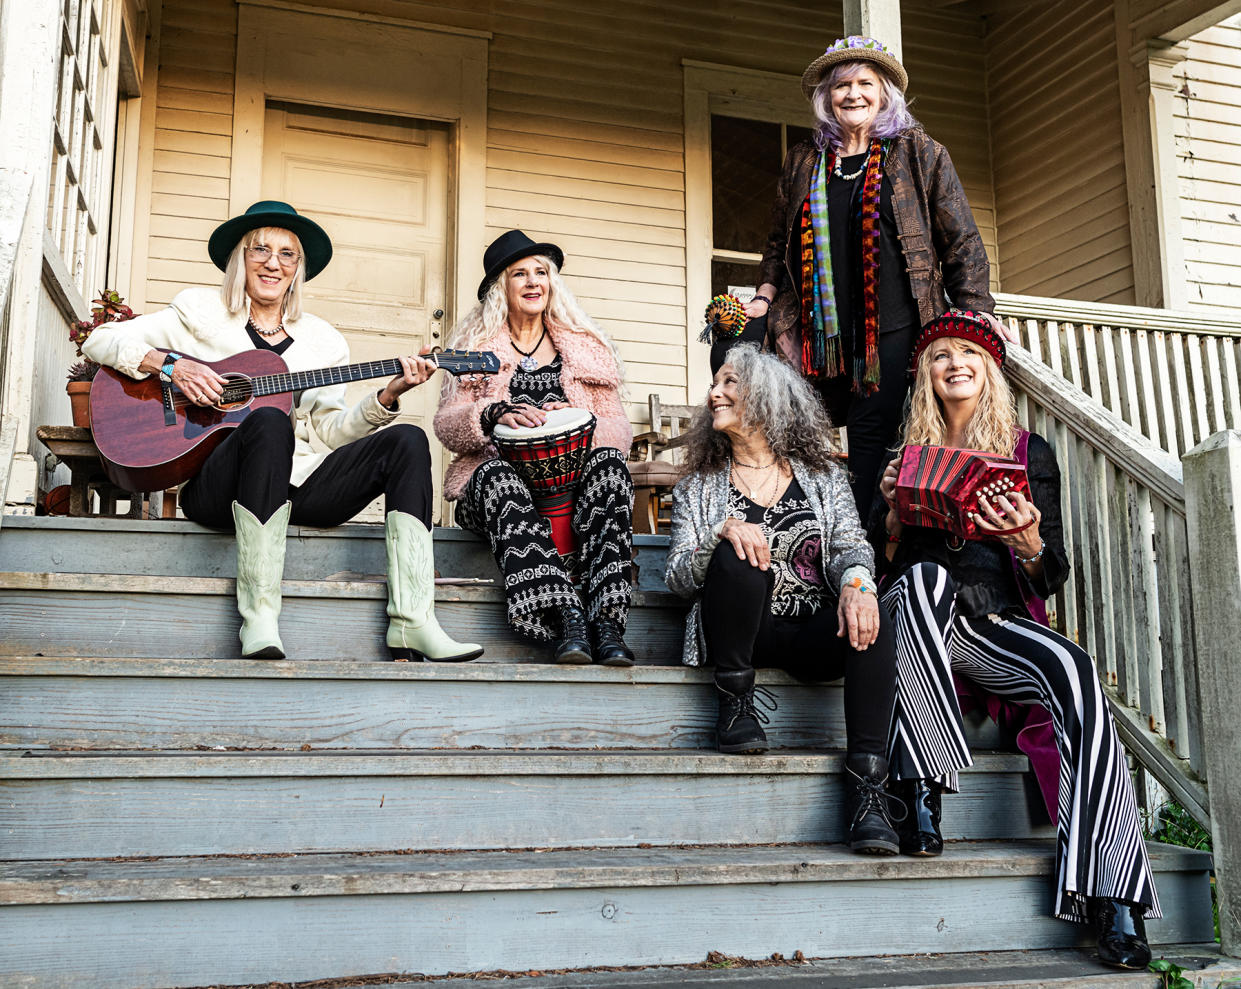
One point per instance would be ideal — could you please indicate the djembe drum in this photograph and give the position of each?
(939, 486)
(549, 459)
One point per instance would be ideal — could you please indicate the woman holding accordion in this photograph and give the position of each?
(974, 609)
(552, 357)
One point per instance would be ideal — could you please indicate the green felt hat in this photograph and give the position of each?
(270, 213)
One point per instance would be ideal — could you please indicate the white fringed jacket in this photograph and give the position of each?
(700, 508)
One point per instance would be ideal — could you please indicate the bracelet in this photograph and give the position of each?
(858, 584)
(893, 537)
(492, 414)
(755, 297)
(1037, 556)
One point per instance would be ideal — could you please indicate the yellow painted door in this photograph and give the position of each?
(379, 186)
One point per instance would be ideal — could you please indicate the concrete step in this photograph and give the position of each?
(98, 703)
(121, 615)
(185, 549)
(189, 922)
(95, 805)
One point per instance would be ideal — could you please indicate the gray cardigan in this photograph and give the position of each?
(699, 508)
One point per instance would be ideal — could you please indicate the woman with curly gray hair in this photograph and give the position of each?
(766, 539)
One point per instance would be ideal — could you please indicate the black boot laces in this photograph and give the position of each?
(746, 706)
(873, 795)
(574, 624)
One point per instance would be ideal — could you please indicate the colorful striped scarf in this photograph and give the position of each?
(822, 351)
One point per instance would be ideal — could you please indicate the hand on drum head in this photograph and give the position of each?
(524, 415)
(553, 406)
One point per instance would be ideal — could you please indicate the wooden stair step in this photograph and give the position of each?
(97, 804)
(243, 920)
(172, 704)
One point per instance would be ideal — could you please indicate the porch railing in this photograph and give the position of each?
(1172, 376)
(1128, 601)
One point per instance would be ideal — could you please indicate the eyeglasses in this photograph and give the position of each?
(262, 252)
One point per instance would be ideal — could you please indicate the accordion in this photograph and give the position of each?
(939, 486)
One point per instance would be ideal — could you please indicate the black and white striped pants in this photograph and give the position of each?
(1100, 851)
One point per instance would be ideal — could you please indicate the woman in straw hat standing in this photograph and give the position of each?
(266, 473)
(871, 238)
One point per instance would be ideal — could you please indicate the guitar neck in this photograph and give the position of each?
(274, 384)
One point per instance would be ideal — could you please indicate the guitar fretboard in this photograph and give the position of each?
(274, 384)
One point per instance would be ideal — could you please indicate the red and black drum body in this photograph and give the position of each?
(939, 486)
(549, 459)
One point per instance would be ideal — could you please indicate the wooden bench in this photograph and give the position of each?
(654, 478)
(74, 447)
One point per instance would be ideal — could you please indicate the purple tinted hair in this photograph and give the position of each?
(892, 120)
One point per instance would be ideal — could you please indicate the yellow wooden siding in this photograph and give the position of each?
(1058, 153)
(585, 137)
(1208, 143)
(193, 139)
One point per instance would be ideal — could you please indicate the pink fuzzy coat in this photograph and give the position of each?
(589, 378)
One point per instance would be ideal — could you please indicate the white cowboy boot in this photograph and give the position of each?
(260, 565)
(413, 632)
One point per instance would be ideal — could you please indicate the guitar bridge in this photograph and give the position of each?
(170, 412)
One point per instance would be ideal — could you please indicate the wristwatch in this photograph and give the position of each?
(165, 372)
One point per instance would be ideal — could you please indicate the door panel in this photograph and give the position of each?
(379, 186)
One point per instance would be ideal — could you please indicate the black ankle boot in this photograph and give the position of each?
(610, 648)
(1122, 933)
(574, 644)
(738, 728)
(869, 806)
(920, 830)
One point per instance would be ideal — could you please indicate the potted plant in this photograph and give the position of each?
(108, 308)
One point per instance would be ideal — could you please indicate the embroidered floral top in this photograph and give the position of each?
(796, 540)
(539, 386)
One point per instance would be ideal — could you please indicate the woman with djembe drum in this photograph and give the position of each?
(554, 500)
(970, 603)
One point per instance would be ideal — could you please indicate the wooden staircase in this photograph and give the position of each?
(172, 818)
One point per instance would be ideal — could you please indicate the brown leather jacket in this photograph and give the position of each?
(939, 239)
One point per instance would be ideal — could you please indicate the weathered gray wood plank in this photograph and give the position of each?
(87, 807)
(261, 939)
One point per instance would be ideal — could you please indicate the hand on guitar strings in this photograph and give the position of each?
(1012, 519)
(415, 370)
(198, 383)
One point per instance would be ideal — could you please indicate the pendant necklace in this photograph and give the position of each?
(753, 495)
(528, 361)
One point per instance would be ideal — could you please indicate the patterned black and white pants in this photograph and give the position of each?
(1099, 851)
(496, 504)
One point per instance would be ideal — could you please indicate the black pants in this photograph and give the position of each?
(741, 634)
(253, 465)
(873, 421)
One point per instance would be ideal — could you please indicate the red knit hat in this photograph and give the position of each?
(964, 324)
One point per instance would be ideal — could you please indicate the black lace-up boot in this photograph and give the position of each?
(574, 644)
(1122, 933)
(738, 728)
(919, 831)
(869, 806)
(610, 648)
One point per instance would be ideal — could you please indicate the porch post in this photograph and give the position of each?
(1213, 513)
(875, 19)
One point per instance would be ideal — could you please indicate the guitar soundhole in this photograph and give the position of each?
(238, 393)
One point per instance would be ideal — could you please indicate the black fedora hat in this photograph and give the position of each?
(509, 247)
(272, 213)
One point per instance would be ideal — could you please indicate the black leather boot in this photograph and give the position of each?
(574, 644)
(737, 728)
(1122, 933)
(610, 648)
(920, 830)
(869, 806)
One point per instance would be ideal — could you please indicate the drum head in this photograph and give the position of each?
(558, 421)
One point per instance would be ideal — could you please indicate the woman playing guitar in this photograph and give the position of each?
(265, 474)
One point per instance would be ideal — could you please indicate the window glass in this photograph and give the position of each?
(745, 168)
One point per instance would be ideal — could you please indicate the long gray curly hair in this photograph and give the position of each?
(780, 403)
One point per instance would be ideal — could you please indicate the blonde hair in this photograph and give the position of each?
(485, 320)
(993, 426)
(233, 288)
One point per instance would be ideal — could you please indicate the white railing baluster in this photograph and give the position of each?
(1112, 400)
(1198, 389)
(1215, 385)
(1184, 405)
(1231, 383)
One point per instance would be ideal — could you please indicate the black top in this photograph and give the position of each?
(539, 386)
(262, 343)
(897, 308)
(796, 540)
(983, 569)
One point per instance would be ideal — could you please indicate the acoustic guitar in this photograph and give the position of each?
(150, 436)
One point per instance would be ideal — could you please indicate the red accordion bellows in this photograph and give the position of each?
(938, 486)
